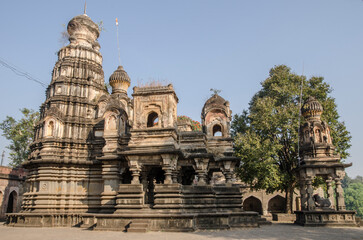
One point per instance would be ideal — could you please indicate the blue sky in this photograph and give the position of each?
(195, 45)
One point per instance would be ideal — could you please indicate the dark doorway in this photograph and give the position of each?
(126, 176)
(187, 174)
(277, 204)
(12, 202)
(252, 204)
(155, 176)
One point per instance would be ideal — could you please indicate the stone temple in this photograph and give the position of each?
(110, 162)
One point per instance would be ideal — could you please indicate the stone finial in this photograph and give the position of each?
(312, 109)
(83, 31)
(119, 81)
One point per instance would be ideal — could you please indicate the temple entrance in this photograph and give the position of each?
(12, 202)
(155, 175)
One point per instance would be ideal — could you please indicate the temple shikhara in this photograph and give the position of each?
(107, 161)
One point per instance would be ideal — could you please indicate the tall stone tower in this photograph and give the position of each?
(62, 162)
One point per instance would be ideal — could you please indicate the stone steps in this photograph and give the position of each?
(264, 221)
(138, 226)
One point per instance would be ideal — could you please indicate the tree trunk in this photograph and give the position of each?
(289, 200)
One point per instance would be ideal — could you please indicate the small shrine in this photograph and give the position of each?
(319, 159)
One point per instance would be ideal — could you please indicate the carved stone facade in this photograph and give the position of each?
(319, 159)
(107, 161)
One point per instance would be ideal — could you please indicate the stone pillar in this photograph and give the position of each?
(135, 172)
(227, 169)
(135, 169)
(144, 183)
(169, 166)
(339, 194)
(174, 176)
(330, 191)
(303, 195)
(110, 177)
(310, 192)
(201, 167)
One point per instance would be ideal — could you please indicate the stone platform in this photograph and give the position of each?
(326, 218)
(148, 220)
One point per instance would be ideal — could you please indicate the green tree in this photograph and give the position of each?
(20, 133)
(266, 135)
(353, 195)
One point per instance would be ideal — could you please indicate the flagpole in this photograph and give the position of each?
(118, 44)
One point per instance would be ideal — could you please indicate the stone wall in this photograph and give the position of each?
(11, 188)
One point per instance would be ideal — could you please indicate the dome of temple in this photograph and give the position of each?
(85, 21)
(119, 80)
(83, 31)
(312, 108)
(213, 102)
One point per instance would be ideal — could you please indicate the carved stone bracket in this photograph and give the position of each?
(201, 168)
(169, 167)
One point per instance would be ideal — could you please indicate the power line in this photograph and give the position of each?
(21, 73)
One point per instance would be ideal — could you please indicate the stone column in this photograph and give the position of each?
(135, 172)
(110, 177)
(144, 183)
(174, 176)
(339, 194)
(227, 169)
(303, 195)
(201, 167)
(169, 165)
(330, 192)
(310, 192)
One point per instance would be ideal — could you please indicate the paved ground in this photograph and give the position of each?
(274, 231)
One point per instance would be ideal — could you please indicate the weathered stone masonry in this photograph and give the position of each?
(107, 161)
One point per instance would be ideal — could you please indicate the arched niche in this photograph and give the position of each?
(12, 200)
(276, 204)
(217, 130)
(152, 119)
(318, 137)
(50, 128)
(252, 204)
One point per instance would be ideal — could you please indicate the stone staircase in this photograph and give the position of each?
(138, 226)
(263, 220)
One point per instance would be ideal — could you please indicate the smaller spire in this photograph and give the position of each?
(312, 109)
(120, 80)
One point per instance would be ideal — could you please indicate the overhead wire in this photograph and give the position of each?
(21, 73)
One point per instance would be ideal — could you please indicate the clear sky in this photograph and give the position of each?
(195, 45)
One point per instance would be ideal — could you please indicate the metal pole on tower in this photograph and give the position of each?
(2, 157)
(298, 131)
(118, 44)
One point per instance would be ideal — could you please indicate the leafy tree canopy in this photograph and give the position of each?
(353, 194)
(266, 135)
(20, 133)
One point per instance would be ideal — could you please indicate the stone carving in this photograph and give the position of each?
(321, 202)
